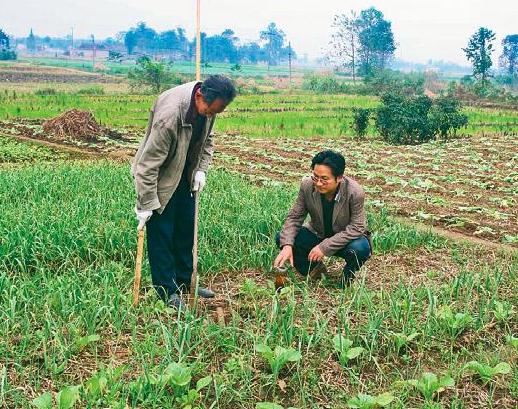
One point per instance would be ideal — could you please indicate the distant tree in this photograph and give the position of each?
(220, 47)
(274, 42)
(168, 40)
(251, 53)
(114, 56)
(509, 57)
(146, 37)
(4, 40)
(152, 74)
(5, 51)
(376, 40)
(479, 51)
(130, 41)
(30, 42)
(345, 41)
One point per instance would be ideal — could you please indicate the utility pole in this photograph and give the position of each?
(198, 40)
(93, 53)
(72, 41)
(289, 59)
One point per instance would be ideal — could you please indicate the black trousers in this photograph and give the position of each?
(355, 254)
(170, 238)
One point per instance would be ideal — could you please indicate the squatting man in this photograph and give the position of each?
(170, 164)
(337, 224)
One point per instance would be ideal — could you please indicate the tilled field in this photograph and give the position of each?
(27, 73)
(467, 185)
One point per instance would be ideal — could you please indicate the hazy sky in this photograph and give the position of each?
(423, 29)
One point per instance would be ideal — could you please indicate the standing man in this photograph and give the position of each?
(338, 225)
(171, 163)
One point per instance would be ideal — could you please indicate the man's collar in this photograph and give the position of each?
(190, 116)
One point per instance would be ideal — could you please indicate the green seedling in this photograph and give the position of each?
(502, 311)
(364, 401)
(43, 401)
(189, 399)
(513, 341)
(97, 385)
(345, 350)
(65, 399)
(429, 384)
(278, 357)
(179, 376)
(402, 340)
(455, 324)
(83, 342)
(485, 372)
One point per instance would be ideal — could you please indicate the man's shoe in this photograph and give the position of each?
(318, 271)
(205, 293)
(175, 302)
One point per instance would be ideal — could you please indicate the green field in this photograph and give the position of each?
(68, 239)
(278, 115)
(430, 322)
(182, 67)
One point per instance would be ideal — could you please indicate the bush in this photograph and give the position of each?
(446, 117)
(8, 55)
(325, 84)
(153, 74)
(404, 120)
(384, 81)
(328, 84)
(360, 121)
(93, 90)
(46, 91)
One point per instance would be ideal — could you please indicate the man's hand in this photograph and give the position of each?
(199, 181)
(315, 254)
(285, 254)
(143, 216)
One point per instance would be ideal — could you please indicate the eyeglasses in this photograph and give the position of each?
(322, 179)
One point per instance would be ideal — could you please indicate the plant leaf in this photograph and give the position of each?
(384, 399)
(178, 374)
(502, 368)
(354, 352)
(43, 401)
(203, 382)
(267, 405)
(67, 397)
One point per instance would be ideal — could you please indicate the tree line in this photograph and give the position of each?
(271, 47)
(224, 47)
(363, 44)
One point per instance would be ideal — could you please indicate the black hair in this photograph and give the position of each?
(332, 159)
(218, 86)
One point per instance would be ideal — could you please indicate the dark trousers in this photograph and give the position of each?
(170, 238)
(355, 254)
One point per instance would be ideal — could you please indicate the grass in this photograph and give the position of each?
(183, 67)
(66, 259)
(296, 115)
(12, 151)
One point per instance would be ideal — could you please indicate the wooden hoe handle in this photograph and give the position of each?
(138, 266)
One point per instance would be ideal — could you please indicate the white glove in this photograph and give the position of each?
(199, 181)
(143, 216)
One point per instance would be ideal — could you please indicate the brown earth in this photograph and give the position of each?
(29, 73)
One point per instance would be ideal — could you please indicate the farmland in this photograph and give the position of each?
(424, 303)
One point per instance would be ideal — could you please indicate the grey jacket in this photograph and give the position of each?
(349, 221)
(161, 157)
